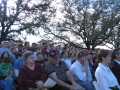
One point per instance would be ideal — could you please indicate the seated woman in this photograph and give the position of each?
(32, 75)
(106, 80)
(6, 72)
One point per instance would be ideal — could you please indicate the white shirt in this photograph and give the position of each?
(105, 78)
(78, 70)
(68, 62)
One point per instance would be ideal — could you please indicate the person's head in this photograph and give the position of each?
(40, 57)
(34, 47)
(116, 54)
(104, 57)
(5, 57)
(14, 49)
(5, 44)
(26, 44)
(53, 57)
(82, 56)
(28, 58)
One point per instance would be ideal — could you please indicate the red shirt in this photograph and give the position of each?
(28, 77)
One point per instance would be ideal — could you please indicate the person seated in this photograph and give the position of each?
(6, 72)
(81, 71)
(115, 65)
(106, 80)
(58, 71)
(32, 75)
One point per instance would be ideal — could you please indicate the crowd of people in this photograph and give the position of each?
(46, 66)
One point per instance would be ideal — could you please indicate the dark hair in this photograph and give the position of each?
(5, 59)
(103, 54)
(115, 53)
(82, 53)
(53, 53)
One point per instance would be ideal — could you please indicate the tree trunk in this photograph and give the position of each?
(3, 36)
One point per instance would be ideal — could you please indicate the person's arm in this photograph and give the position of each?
(72, 80)
(70, 77)
(59, 82)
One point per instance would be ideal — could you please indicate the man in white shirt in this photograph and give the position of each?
(81, 71)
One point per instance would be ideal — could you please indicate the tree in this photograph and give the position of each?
(21, 16)
(115, 38)
(91, 21)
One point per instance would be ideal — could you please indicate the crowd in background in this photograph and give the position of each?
(46, 66)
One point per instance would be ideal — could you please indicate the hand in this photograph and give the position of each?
(76, 87)
(39, 84)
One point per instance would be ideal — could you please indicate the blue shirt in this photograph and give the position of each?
(19, 63)
(2, 50)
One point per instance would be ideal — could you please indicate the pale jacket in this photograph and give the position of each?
(105, 78)
(78, 70)
(68, 62)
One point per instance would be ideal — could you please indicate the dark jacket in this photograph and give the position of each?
(115, 67)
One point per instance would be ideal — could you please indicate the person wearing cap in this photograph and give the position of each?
(58, 71)
(115, 65)
(81, 71)
(32, 75)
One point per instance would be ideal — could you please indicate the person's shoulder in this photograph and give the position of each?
(99, 70)
(114, 64)
(76, 63)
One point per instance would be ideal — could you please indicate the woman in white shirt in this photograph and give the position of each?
(104, 76)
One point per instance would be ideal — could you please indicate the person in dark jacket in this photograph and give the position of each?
(115, 65)
(32, 75)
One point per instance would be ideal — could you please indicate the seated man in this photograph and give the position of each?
(58, 71)
(81, 70)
